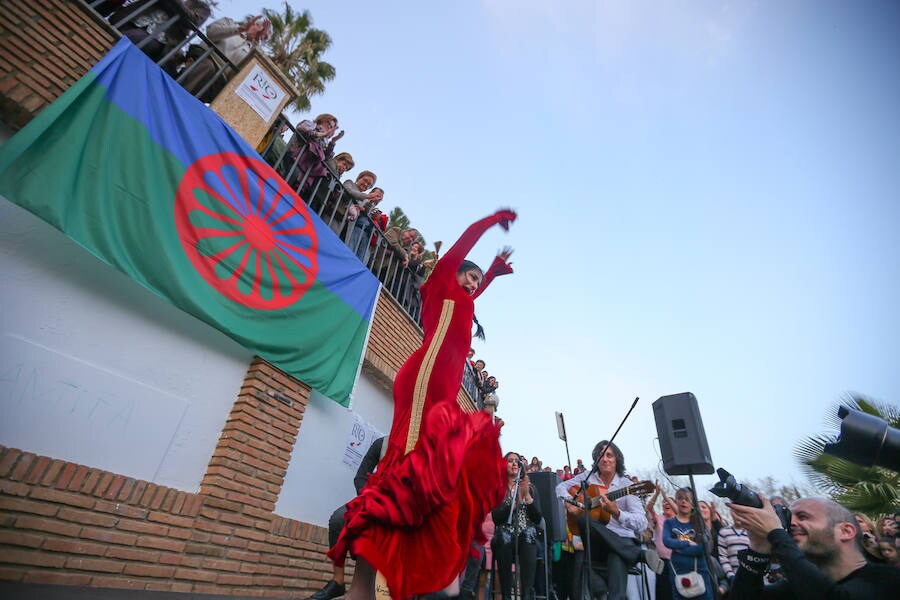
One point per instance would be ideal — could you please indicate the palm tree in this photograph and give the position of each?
(296, 48)
(398, 218)
(870, 490)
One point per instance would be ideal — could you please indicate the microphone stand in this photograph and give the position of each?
(586, 566)
(705, 539)
(513, 505)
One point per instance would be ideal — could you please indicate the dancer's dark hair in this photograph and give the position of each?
(467, 265)
(464, 267)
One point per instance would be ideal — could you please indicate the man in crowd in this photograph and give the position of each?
(401, 241)
(490, 386)
(361, 232)
(359, 194)
(821, 556)
(615, 543)
(336, 587)
(479, 371)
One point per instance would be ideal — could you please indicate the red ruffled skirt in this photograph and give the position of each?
(418, 514)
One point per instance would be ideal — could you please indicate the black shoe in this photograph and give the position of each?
(332, 590)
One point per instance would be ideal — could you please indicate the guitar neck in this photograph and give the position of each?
(620, 493)
(614, 495)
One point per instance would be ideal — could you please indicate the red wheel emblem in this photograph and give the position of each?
(246, 232)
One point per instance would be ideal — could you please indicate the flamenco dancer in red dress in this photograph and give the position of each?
(443, 470)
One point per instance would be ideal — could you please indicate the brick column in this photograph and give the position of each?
(249, 464)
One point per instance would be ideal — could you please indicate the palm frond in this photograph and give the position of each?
(870, 490)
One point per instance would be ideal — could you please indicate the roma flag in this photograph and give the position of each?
(152, 182)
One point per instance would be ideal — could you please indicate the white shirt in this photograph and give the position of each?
(632, 519)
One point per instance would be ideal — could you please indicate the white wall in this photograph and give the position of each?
(97, 370)
(317, 479)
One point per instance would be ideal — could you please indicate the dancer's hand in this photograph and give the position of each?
(507, 216)
(500, 266)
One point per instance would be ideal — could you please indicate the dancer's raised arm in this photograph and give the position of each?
(500, 266)
(450, 262)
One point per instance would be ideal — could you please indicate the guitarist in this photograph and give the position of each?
(615, 544)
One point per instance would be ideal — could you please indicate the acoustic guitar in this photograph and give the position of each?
(593, 505)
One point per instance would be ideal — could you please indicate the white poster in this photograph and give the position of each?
(361, 436)
(261, 93)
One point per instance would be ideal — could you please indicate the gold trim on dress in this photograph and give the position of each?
(424, 375)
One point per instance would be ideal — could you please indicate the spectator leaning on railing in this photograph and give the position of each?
(363, 224)
(401, 240)
(340, 164)
(144, 19)
(236, 41)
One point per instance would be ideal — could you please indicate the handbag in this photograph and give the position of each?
(690, 584)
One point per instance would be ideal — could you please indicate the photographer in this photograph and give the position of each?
(821, 556)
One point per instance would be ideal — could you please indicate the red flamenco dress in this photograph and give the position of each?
(443, 470)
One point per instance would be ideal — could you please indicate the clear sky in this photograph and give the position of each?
(708, 197)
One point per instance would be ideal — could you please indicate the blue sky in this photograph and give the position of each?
(709, 200)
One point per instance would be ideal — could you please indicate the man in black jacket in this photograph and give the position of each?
(335, 587)
(821, 555)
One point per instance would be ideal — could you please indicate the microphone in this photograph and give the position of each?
(522, 465)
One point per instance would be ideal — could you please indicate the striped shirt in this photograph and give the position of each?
(731, 541)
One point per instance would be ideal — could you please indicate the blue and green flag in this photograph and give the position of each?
(151, 181)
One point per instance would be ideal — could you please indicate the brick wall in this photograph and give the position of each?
(72, 524)
(45, 47)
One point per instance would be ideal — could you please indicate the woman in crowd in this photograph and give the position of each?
(682, 535)
(313, 150)
(711, 520)
(236, 41)
(869, 539)
(516, 537)
(443, 470)
(712, 523)
(657, 522)
(144, 21)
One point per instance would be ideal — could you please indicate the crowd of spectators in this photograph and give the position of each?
(486, 384)
(565, 473)
(679, 535)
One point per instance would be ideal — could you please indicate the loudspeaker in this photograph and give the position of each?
(682, 439)
(551, 507)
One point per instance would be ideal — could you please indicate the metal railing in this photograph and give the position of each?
(323, 192)
(183, 56)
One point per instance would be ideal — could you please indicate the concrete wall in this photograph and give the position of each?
(97, 370)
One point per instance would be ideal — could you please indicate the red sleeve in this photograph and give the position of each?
(497, 268)
(449, 264)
